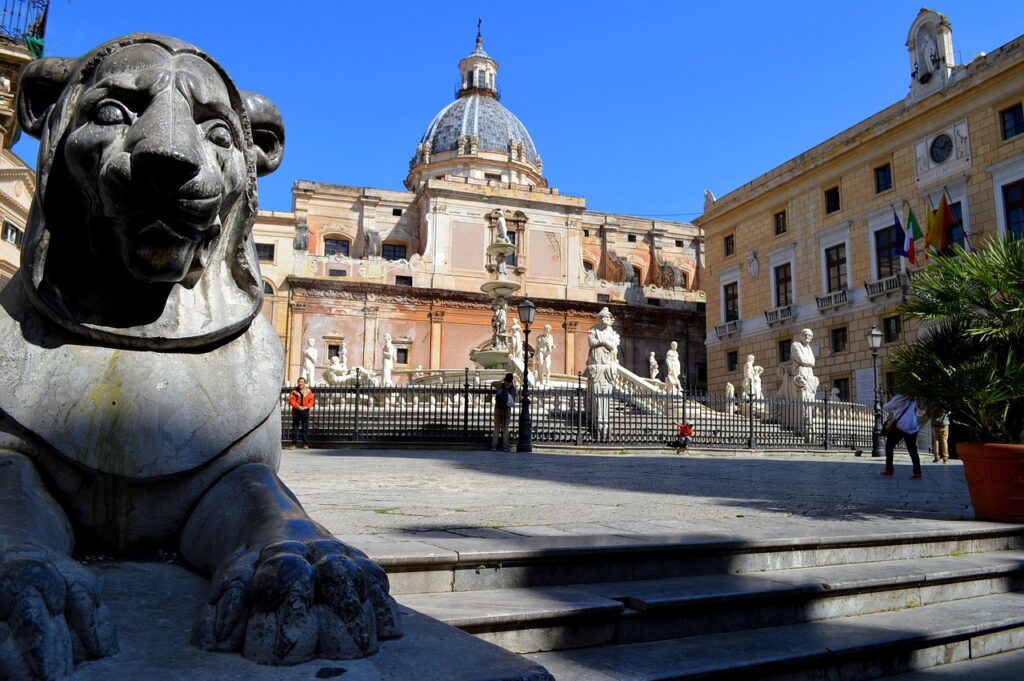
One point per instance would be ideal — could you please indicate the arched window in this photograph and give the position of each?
(638, 276)
(334, 245)
(268, 288)
(588, 266)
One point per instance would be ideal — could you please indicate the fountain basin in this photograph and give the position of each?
(501, 288)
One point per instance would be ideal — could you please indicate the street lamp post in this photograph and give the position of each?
(527, 313)
(875, 342)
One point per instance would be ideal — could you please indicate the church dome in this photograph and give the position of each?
(494, 126)
(476, 136)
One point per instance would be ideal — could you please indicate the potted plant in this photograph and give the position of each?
(969, 361)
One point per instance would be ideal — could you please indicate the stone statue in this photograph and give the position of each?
(335, 373)
(373, 245)
(545, 347)
(730, 398)
(499, 323)
(301, 240)
(752, 379)
(343, 354)
(501, 266)
(652, 366)
(387, 355)
(309, 357)
(501, 233)
(672, 369)
(602, 366)
(803, 379)
(147, 408)
(515, 341)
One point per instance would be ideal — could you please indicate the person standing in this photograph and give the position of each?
(504, 398)
(301, 400)
(904, 427)
(940, 438)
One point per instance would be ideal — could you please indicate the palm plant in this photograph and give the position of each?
(969, 359)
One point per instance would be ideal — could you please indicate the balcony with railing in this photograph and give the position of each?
(884, 286)
(727, 329)
(23, 21)
(832, 300)
(780, 315)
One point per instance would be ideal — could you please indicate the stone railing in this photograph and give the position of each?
(834, 299)
(780, 315)
(727, 329)
(884, 286)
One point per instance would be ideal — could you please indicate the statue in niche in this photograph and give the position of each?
(652, 366)
(499, 324)
(752, 379)
(672, 369)
(387, 355)
(373, 245)
(310, 355)
(515, 341)
(928, 54)
(545, 348)
(301, 240)
(602, 366)
(138, 297)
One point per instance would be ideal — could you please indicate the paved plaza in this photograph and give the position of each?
(373, 497)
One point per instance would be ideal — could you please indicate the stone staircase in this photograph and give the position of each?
(853, 605)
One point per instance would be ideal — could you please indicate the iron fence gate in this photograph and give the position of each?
(463, 413)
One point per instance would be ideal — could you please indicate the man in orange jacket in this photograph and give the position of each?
(301, 400)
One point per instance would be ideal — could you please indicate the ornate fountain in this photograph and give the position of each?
(494, 353)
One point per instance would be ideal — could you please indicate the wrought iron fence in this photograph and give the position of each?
(22, 18)
(463, 413)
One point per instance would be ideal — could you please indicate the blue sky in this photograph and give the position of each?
(638, 106)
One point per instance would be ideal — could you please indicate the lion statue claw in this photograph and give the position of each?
(129, 335)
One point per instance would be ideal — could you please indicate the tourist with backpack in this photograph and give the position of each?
(504, 398)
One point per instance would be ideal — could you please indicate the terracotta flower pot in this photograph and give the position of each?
(995, 479)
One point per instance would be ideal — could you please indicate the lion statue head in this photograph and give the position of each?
(140, 231)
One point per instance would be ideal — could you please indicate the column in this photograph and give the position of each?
(294, 351)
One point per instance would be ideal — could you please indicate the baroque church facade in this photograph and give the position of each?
(350, 264)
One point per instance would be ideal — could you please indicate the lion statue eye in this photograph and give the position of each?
(220, 135)
(110, 113)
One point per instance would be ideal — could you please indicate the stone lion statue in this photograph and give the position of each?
(130, 336)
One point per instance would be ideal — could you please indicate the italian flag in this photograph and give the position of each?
(913, 233)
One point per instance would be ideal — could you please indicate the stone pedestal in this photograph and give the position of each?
(154, 606)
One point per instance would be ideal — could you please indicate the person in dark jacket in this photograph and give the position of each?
(504, 398)
(904, 427)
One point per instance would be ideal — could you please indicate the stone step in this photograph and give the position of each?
(982, 666)
(550, 618)
(850, 648)
(467, 564)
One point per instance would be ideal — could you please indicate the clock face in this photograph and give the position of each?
(942, 147)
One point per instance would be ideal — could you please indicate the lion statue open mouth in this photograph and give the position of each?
(141, 384)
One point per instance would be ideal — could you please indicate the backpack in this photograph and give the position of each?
(504, 398)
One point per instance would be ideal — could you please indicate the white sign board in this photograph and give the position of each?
(864, 388)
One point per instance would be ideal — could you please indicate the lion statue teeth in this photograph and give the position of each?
(141, 409)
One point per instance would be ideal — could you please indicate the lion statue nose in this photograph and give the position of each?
(163, 171)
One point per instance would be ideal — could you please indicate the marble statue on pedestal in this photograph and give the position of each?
(499, 324)
(652, 366)
(387, 356)
(501, 232)
(515, 341)
(309, 357)
(142, 401)
(730, 398)
(672, 369)
(545, 347)
(602, 367)
(805, 383)
(752, 379)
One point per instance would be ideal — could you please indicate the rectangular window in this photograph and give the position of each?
(588, 266)
(887, 256)
(842, 386)
(732, 360)
(492, 177)
(730, 294)
(396, 212)
(729, 244)
(883, 178)
(656, 302)
(12, 234)
(1012, 120)
(1013, 204)
(780, 222)
(785, 348)
(631, 238)
(783, 285)
(839, 339)
(335, 272)
(401, 355)
(265, 252)
(832, 200)
(393, 252)
(892, 329)
(603, 298)
(680, 243)
(403, 280)
(955, 232)
(586, 232)
(835, 266)
(336, 247)
(333, 350)
(510, 260)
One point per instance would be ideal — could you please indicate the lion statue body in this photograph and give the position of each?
(140, 409)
